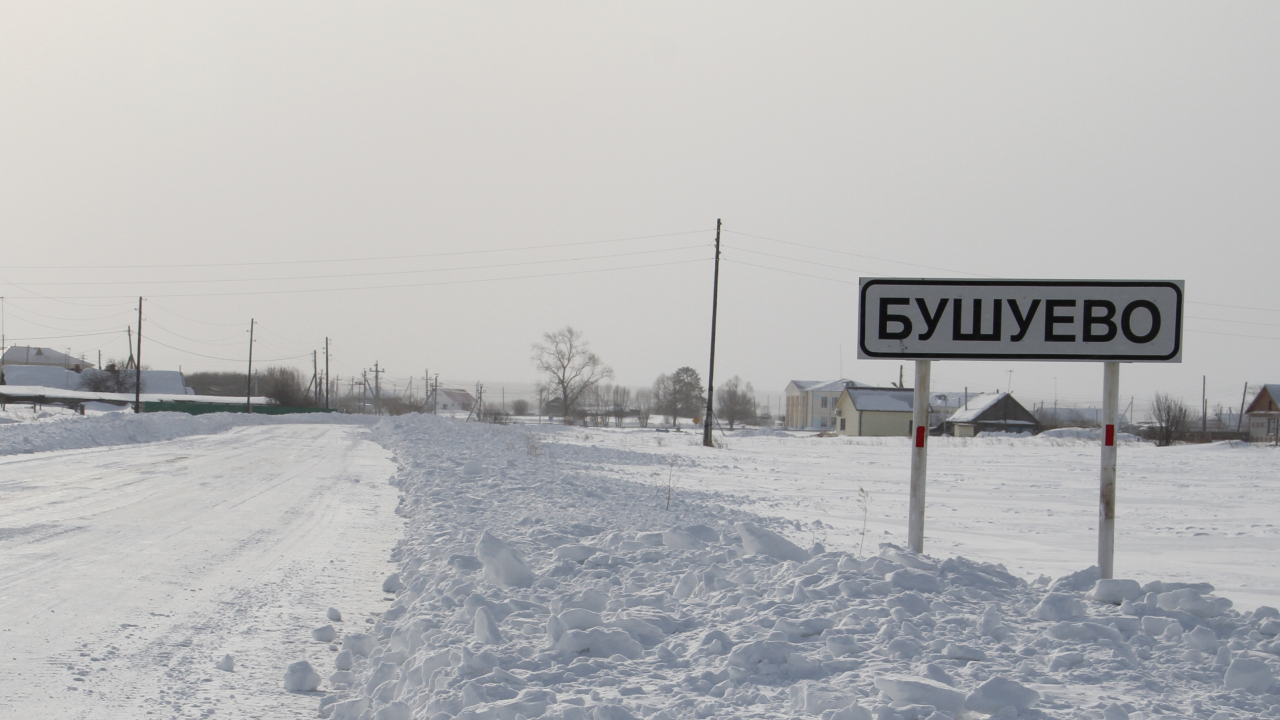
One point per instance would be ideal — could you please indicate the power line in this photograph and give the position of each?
(403, 285)
(354, 259)
(1234, 307)
(222, 341)
(59, 317)
(789, 272)
(212, 357)
(368, 274)
(202, 322)
(852, 254)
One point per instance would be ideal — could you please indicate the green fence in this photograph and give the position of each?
(193, 408)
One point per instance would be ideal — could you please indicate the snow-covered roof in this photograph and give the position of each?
(457, 396)
(826, 385)
(25, 355)
(882, 399)
(164, 382)
(977, 405)
(58, 394)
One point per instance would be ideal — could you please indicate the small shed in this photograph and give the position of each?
(995, 412)
(1264, 414)
(874, 412)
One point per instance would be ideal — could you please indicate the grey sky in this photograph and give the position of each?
(1038, 140)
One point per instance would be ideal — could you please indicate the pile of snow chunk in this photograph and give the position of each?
(540, 587)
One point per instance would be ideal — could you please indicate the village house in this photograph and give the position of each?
(1264, 414)
(811, 404)
(994, 412)
(875, 411)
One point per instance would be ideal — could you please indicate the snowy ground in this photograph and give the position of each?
(1189, 513)
(126, 572)
(541, 573)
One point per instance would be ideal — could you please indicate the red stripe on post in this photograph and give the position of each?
(920, 436)
(1111, 435)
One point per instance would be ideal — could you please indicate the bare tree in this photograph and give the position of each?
(735, 403)
(619, 404)
(1171, 417)
(113, 378)
(520, 407)
(570, 367)
(644, 406)
(664, 398)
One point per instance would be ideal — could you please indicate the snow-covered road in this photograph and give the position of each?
(127, 572)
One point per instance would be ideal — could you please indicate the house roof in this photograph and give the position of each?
(458, 396)
(24, 355)
(977, 406)
(881, 399)
(826, 385)
(1273, 391)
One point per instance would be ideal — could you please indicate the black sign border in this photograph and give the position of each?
(862, 319)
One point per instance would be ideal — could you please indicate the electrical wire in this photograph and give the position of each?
(59, 317)
(852, 254)
(1234, 307)
(153, 304)
(356, 259)
(223, 341)
(211, 357)
(61, 337)
(793, 259)
(789, 272)
(368, 274)
(410, 285)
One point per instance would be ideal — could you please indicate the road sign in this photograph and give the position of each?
(1080, 320)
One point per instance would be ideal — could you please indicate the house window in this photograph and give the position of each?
(842, 424)
(824, 403)
(824, 422)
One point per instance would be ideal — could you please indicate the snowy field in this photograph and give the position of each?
(1189, 513)
(540, 572)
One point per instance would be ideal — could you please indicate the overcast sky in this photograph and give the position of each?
(223, 148)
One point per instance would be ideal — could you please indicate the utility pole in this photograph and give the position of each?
(248, 378)
(315, 375)
(326, 373)
(377, 389)
(1243, 395)
(1204, 404)
(137, 390)
(711, 372)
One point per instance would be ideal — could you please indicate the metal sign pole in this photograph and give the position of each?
(1107, 498)
(919, 432)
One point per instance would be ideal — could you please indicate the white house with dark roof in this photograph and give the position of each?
(811, 404)
(875, 411)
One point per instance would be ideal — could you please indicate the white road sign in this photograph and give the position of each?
(1085, 320)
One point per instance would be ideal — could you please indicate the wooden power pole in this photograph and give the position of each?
(137, 377)
(248, 378)
(711, 371)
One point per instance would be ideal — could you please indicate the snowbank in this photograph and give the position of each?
(67, 431)
(530, 583)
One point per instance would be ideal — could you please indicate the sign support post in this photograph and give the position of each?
(1107, 496)
(920, 434)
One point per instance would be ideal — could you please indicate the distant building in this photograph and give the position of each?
(995, 412)
(875, 412)
(1264, 414)
(811, 404)
(454, 401)
(24, 355)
